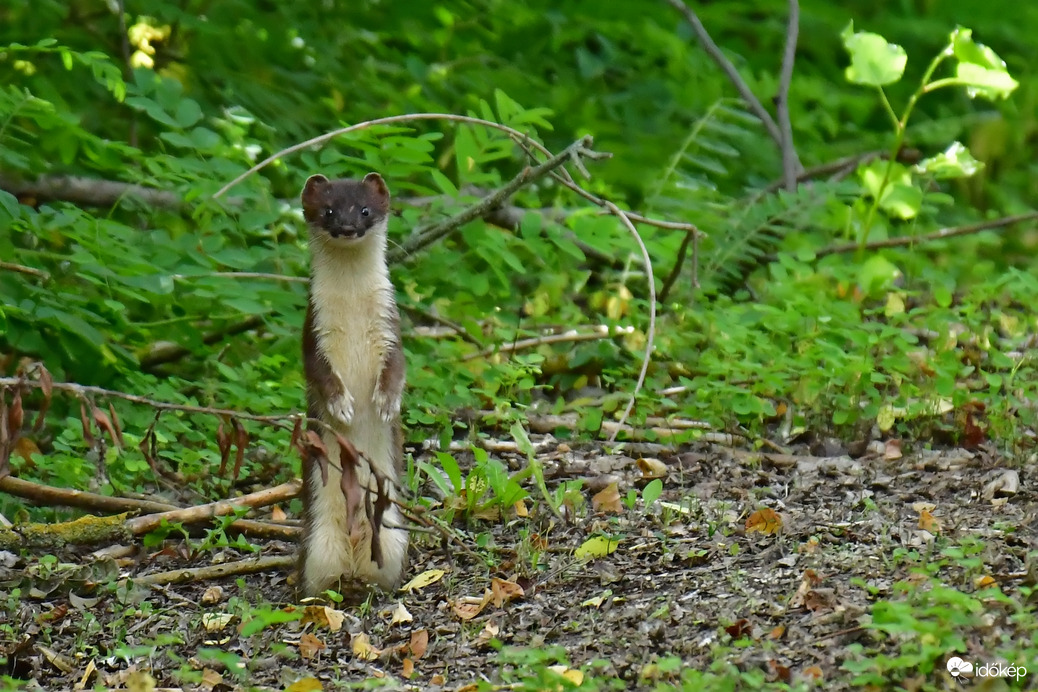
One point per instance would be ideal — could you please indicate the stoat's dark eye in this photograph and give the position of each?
(329, 212)
(365, 211)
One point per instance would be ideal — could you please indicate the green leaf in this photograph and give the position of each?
(652, 491)
(902, 200)
(450, 466)
(874, 61)
(444, 183)
(985, 82)
(954, 162)
(188, 113)
(877, 274)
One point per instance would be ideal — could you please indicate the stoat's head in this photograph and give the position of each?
(345, 210)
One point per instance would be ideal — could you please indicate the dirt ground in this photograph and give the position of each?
(687, 580)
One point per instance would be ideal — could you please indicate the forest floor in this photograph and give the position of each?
(879, 567)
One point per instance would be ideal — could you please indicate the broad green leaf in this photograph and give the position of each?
(902, 200)
(450, 466)
(444, 183)
(985, 82)
(877, 273)
(652, 491)
(954, 162)
(874, 61)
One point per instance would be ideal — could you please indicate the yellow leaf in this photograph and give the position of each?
(305, 685)
(652, 468)
(424, 579)
(766, 521)
(362, 648)
(597, 546)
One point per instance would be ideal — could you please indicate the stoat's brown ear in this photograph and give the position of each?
(313, 185)
(377, 184)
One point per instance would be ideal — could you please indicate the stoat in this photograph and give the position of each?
(354, 366)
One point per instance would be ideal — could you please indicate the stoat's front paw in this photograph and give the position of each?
(388, 408)
(340, 407)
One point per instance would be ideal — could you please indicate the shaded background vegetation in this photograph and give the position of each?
(833, 343)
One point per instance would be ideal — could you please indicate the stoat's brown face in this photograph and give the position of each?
(345, 209)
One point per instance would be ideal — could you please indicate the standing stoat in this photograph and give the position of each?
(354, 367)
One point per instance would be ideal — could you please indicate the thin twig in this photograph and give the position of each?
(429, 234)
(453, 326)
(940, 234)
(167, 353)
(650, 335)
(572, 336)
(790, 162)
(729, 69)
(21, 269)
(408, 117)
(668, 283)
(83, 390)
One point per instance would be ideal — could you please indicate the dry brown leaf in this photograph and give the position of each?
(212, 595)
(310, 646)
(813, 672)
(505, 591)
(928, 522)
(765, 520)
(520, 509)
(278, 514)
(362, 648)
(489, 632)
(779, 671)
(468, 607)
(652, 468)
(407, 669)
(892, 450)
(739, 629)
(607, 500)
(777, 632)
(25, 448)
(808, 581)
(323, 616)
(401, 614)
(210, 679)
(419, 643)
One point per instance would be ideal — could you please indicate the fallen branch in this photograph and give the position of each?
(92, 502)
(201, 513)
(226, 569)
(668, 283)
(940, 234)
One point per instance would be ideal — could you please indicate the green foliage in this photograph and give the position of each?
(196, 98)
(933, 624)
